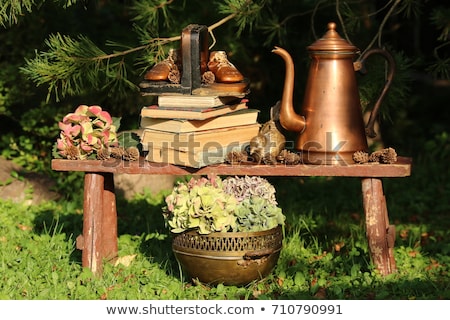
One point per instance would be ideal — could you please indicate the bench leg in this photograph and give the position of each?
(109, 229)
(99, 240)
(380, 235)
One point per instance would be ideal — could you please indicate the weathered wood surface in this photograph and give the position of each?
(402, 168)
(109, 225)
(92, 242)
(380, 235)
(99, 239)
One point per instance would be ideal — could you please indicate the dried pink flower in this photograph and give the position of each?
(89, 128)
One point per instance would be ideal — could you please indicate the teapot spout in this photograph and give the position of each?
(288, 118)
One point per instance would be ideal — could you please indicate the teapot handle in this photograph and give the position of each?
(359, 66)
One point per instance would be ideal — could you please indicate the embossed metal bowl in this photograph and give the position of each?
(231, 258)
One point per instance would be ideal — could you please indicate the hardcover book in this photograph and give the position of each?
(198, 140)
(156, 111)
(236, 118)
(194, 101)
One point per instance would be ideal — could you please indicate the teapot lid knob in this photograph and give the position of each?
(332, 42)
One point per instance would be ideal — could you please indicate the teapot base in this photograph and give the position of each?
(327, 158)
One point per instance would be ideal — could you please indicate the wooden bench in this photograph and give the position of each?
(99, 239)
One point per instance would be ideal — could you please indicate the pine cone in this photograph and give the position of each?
(375, 156)
(103, 154)
(236, 157)
(388, 156)
(288, 157)
(282, 155)
(117, 152)
(292, 158)
(269, 159)
(174, 75)
(131, 154)
(360, 157)
(208, 77)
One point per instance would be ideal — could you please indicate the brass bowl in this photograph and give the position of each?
(231, 258)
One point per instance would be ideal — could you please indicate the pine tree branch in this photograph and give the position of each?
(152, 42)
(341, 20)
(314, 11)
(161, 41)
(381, 9)
(380, 29)
(11, 10)
(71, 65)
(168, 2)
(218, 24)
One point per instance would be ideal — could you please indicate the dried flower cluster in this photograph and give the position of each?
(200, 204)
(214, 205)
(250, 186)
(257, 208)
(87, 131)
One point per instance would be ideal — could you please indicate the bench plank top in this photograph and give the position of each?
(402, 168)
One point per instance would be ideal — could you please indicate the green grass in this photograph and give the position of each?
(325, 253)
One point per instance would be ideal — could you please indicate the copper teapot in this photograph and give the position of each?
(331, 126)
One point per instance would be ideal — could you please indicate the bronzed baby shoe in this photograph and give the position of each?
(223, 69)
(166, 69)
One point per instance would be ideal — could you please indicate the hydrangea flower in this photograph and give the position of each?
(235, 204)
(85, 132)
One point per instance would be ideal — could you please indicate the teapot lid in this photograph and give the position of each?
(333, 42)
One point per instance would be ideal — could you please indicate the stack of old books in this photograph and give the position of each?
(196, 131)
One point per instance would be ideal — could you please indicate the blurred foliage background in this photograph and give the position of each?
(56, 55)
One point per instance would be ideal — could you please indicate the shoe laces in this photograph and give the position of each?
(221, 59)
(171, 59)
